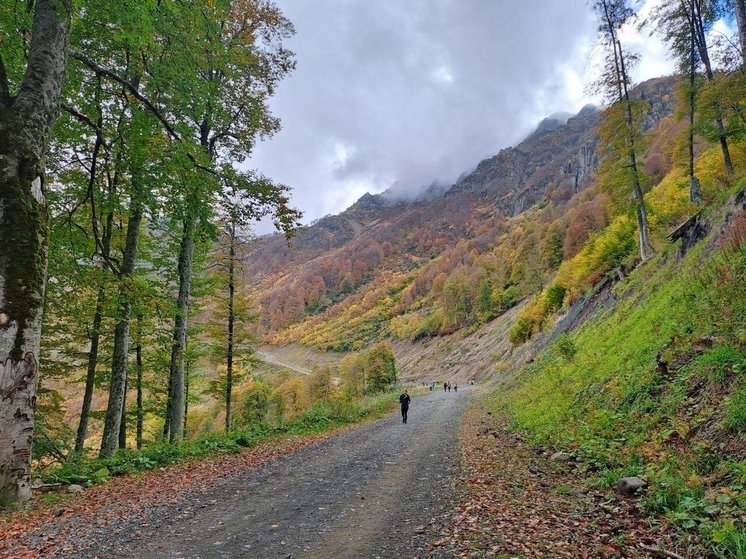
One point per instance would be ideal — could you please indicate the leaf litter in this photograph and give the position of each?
(514, 502)
(44, 529)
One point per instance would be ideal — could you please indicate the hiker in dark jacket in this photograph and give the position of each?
(404, 401)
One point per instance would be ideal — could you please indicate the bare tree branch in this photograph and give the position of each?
(100, 70)
(87, 121)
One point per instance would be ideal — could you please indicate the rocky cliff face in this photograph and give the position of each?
(562, 155)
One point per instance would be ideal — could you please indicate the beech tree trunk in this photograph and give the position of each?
(25, 122)
(231, 326)
(117, 385)
(174, 415)
(95, 335)
(138, 365)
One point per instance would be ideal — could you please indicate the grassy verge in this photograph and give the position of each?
(322, 416)
(656, 387)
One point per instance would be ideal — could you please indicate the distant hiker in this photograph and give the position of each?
(404, 401)
(445, 386)
(455, 387)
(431, 387)
(449, 387)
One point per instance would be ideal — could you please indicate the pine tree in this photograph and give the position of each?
(230, 338)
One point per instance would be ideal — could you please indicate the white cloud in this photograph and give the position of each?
(406, 92)
(442, 74)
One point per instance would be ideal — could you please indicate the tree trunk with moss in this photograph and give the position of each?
(118, 382)
(25, 123)
(174, 414)
(231, 325)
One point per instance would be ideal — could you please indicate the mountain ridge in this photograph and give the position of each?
(339, 254)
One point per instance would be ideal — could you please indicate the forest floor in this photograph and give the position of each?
(514, 501)
(451, 483)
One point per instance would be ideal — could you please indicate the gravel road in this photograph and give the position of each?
(363, 494)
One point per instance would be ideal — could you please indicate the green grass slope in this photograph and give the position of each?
(656, 386)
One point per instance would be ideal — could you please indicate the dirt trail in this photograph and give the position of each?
(274, 360)
(367, 493)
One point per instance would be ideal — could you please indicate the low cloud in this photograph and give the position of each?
(408, 92)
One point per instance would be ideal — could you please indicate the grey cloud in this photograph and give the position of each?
(409, 91)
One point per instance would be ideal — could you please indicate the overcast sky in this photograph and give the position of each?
(408, 91)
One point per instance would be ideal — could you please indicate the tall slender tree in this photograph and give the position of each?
(102, 169)
(140, 410)
(244, 62)
(675, 22)
(739, 7)
(230, 338)
(615, 82)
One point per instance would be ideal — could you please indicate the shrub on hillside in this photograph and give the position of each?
(290, 399)
(380, 368)
(432, 325)
(556, 296)
(251, 403)
(406, 325)
(368, 372)
(320, 384)
(508, 298)
(521, 330)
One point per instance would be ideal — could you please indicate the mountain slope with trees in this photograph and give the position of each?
(469, 234)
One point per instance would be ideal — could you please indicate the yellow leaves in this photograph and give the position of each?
(601, 252)
(711, 172)
(669, 202)
(292, 397)
(405, 325)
